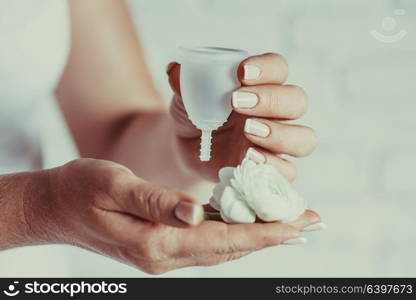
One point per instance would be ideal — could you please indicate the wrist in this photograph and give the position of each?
(38, 209)
(19, 222)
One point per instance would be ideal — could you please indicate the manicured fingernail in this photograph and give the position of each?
(315, 227)
(254, 127)
(298, 241)
(189, 212)
(244, 99)
(255, 156)
(251, 72)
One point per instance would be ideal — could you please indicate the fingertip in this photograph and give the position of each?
(189, 212)
(170, 67)
(315, 227)
(297, 241)
(240, 71)
(303, 100)
(248, 72)
(173, 71)
(254, 154)
(308, 218)
(263, 68)
(312, 216)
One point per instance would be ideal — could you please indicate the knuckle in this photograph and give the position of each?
(149, 250)
(156, 202)
(273, 103)
(150, 253)
(114, 177)
(165, 243)
(223, 235)
(145, 250)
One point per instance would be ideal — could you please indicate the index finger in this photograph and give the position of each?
(216, 238)
(268, 68)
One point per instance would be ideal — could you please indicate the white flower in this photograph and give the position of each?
(251, 190)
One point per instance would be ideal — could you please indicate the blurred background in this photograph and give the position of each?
(357, 61)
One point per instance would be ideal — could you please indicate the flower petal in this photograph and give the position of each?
(226, 219)
(214, 204)
(225, 175)
(270, 208)
(251, 189)
(234, 209)
(227, 199)
(241, 213)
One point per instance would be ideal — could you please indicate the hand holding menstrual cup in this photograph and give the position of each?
(208, 77)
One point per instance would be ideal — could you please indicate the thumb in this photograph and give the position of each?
(160, 205)
(173, 70)
(182, 125)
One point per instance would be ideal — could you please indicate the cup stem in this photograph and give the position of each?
(205, 151)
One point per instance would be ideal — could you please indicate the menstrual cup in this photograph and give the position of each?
(208, 77)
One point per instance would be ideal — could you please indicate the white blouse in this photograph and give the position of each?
(34, 47)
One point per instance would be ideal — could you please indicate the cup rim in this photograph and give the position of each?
(211, 52)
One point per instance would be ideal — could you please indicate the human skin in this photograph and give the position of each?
(114, 111)
(103, 207)
(276, 104)
(122, 202)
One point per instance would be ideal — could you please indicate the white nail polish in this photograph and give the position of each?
(244, 99)
(298, 241)
(255, 156)
(256, 128)
(315, 227)
(189, 212)
(251, 72)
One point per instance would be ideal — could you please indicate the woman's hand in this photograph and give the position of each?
(103, 207)
(257, 128)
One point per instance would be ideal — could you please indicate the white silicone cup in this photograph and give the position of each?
(208, 77)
